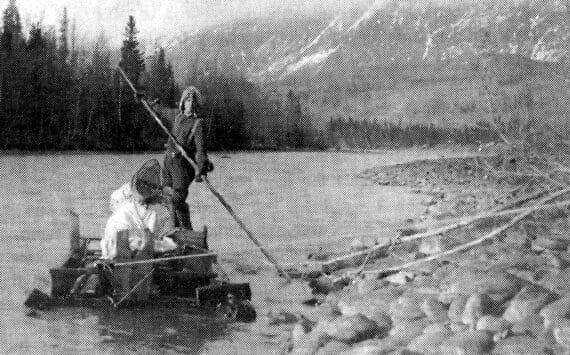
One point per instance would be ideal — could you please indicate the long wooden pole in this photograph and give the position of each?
(160, 260)
(135, 287)
(206, 181)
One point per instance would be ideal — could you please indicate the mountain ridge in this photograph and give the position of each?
(272, 50)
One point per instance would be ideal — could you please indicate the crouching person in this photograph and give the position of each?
(129, 236)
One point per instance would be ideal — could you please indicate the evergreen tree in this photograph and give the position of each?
(63, 37)
(100, 124)
(133, 121)
(160, 82)
(12, 78)
(294, 131)
(132, 60)
(12, 30)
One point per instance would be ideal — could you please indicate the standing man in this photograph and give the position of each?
(178, 174)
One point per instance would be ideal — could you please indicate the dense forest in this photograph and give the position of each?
(58, 94)
(55, 94)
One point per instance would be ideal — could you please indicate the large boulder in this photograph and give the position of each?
(557, 281)
(561, 332)
(493, 324)
(376, 314)
(455, 312)
(429, 342)
(494, 284)
(404, 332)
(467, 343)
(532, 325)
(520, 345)
(281, 317)
(527, 302)
(477, 305)
(372, 347)
(333, 347)
(310, 343)
(407, 307)
(352, 329)
(437, 328)
(434, 310)
(556, 310)
(369, 303)
(551, 243)
(516, 237)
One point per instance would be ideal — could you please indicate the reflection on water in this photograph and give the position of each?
(178, 330)
(293, 203)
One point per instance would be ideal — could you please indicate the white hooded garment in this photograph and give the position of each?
(130, 214)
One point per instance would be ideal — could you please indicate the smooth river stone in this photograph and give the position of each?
(352, 329)
(477, 281)
(372, 347)
(437, 328)
(406, 308)
(493, 324)
(557, 281)
(333, 347)
(552, 243)
(478, 305)
(527, 302)
(428, 343)
(516, 237)
(561, 332)
(403, 333)
(434, 310)
(368, 304)
(467, 343)
(519, 345)
(532, 325)
(367, 284)
(310, 343)
(556, 310)
(458, 327)
(455, 312)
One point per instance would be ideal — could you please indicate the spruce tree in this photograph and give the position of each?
(63, 37)
(133, 121)
(12, 30)
(12, 80)
(132, 60)
(159, 79)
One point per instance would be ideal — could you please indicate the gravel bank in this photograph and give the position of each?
(510, 295)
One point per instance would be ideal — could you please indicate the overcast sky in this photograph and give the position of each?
(156, 18)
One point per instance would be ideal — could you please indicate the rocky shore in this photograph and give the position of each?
(509, 295)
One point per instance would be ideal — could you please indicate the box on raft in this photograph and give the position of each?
(184, 278)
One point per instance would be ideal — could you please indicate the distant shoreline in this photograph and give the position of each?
(472, 146)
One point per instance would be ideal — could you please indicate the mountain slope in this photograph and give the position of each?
(371, 63)
(388, 31)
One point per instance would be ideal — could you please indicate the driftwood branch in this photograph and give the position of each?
(546, 176)
(521, 200)
(379, 250)
(356, 258)
(482, 216)
(468, 245)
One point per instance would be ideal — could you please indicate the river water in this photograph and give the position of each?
(293, 202)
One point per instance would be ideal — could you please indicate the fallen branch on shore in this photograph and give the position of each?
(482, 216)
(380, 250)
(495, 232)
